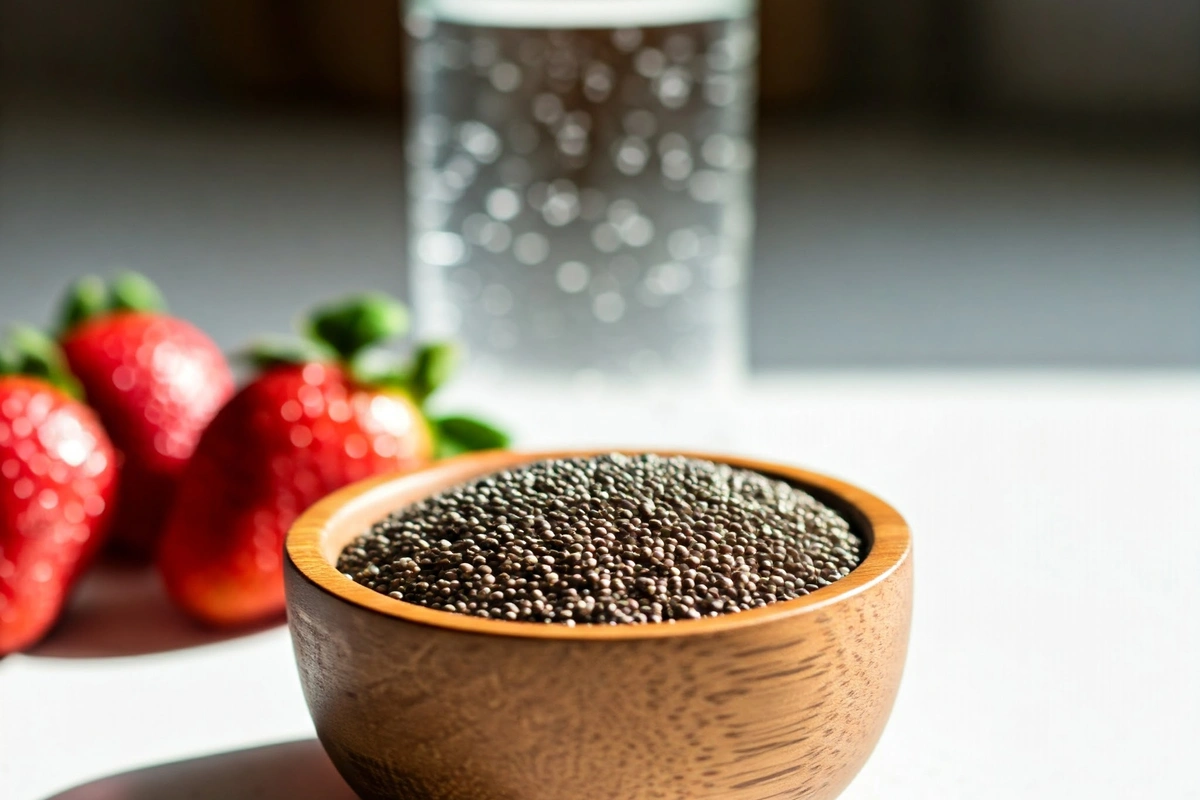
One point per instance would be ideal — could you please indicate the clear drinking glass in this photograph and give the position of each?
(580, 186)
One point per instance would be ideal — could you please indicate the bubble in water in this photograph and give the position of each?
(627, 39)
(673, 141)
(720, 150)
(648, 298)
(650, 63)
(547, 108)
(721, 56)
(440, 248)
(597, 82)
(622, 209)
(460, 171)
(606, 237)
(675, 87)
(579, 118)
(669, 278)
(676, 165)
(632, 155)
(603, 282)
(561, 208)
(531, 248)
(563, 186)
(495, 237)
(706, 186)
(442, 191)
(637, 231)
(572, 139)
(503, 204)
(572, 277)
(480, 141)
(506, 76)
(608, 307)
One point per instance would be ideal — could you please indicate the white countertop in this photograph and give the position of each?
(1035, 670)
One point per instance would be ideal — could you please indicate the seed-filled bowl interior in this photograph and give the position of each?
(607, 539)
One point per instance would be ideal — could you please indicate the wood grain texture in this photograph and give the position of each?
(412, 703)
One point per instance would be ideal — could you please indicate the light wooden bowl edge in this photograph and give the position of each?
(305, 548)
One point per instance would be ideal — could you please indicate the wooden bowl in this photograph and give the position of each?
(785, 701)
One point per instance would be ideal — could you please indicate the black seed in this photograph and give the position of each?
(653, 538)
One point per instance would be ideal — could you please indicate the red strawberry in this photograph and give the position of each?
(155, 381)
(312, 422)
(57, 480)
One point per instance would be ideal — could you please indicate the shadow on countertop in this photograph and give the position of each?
(121, 609)
(289, 771)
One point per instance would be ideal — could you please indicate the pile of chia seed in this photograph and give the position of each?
(611, 539)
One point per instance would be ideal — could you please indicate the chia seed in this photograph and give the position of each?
(607, 540)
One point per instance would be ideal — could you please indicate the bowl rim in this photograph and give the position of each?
(891, 544)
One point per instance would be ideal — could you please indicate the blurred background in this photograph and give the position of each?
(998, 197)
(941, 183)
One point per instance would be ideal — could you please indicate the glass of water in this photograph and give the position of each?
(580, 186)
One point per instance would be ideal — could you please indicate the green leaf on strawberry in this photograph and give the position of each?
(352, 332)
(132, 291)
(88, 297)
(268, 353)
(91, 297)
(357, 323)
(461, 434)
(28, 351)
(433, 366)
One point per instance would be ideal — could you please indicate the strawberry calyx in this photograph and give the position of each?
(132, 291)
(352, 325)
(353, 332)
(28, 352)
(268, 353)
(91, 297)
(457, 434)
